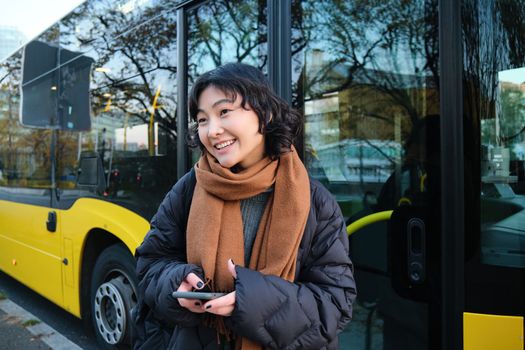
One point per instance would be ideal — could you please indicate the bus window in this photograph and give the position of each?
(503, 174)
(494, 76)
(25, 160)
(94, 22)
(134, 119)
(365, 76)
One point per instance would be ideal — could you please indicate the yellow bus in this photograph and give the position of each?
(413, 119)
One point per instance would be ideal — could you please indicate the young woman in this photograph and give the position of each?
(249, 222)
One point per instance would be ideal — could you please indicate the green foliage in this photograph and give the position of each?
(30, 323)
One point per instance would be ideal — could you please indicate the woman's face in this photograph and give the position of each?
(229, 132)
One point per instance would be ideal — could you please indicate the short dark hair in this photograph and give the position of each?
(278, 122)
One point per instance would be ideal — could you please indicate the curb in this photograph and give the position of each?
(42, 330)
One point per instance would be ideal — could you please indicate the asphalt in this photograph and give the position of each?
(20, 329)
(14, 335)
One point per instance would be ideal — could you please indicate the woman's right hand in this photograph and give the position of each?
(190, 283)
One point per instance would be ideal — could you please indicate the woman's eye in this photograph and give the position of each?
(201, 120)
(224, 112)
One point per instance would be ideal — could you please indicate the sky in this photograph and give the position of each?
(516, 76)
(32, 17)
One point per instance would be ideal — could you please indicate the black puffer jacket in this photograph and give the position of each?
(278, 314)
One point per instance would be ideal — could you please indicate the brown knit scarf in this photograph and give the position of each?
(215, 229)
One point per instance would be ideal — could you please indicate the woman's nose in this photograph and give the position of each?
(214, 127)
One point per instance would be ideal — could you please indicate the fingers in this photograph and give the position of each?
(194, 280)
(185, 287)
(191, 282)
(225, 305)
(194, 305)
(231, 268)
(222, 306)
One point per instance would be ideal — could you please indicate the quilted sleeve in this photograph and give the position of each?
(161, 259)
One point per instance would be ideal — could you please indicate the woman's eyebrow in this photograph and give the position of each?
(223, 100)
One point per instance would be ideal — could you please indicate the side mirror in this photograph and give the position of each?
(55, 88)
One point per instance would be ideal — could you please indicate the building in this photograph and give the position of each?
(11, 39)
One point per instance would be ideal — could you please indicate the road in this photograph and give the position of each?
(62, 321)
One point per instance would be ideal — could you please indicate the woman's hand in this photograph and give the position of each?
(225, 305)
(190, 283)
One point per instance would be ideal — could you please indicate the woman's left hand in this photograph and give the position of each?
(225, 305)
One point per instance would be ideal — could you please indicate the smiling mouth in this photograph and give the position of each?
(223, 145)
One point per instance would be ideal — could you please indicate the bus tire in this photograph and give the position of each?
(113, 293)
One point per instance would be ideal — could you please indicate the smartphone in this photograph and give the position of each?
(197, 295)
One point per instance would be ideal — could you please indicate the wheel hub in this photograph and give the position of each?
(110, 309)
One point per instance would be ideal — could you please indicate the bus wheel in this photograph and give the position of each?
(113, 294)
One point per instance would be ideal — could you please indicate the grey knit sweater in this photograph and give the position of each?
(252, 210)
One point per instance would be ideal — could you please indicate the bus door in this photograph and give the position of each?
(365, 76)
(31, 242)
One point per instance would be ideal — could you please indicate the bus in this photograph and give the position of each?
(412, 110)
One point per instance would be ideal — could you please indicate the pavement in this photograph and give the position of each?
(19, 329)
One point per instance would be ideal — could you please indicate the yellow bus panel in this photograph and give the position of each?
(76, 223)
(489, 332)
(50, 262)
(28, 251)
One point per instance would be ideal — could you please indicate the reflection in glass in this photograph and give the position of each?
(133, 134)
(226, 31)
(498, 101)
(24, 153)
(365, 76)
(494, 95)
(502, 174)
(96, 22)
(109, 64)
